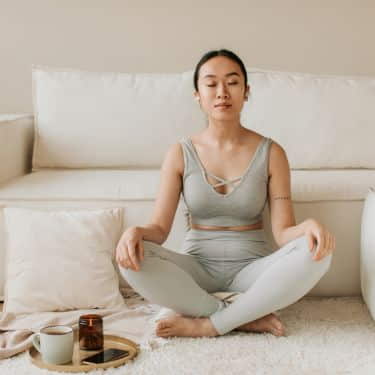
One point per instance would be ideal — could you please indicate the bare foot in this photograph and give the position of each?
(179, 325)
(269, 323)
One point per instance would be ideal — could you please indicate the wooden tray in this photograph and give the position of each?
(78, 355)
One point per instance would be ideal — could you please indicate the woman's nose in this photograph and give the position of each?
(222, 91)
(225, 96)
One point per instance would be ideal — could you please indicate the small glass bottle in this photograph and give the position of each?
(90, 332)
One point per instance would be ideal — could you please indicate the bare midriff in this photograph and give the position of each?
(258, 225)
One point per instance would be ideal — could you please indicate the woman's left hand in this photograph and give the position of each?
(316, 233)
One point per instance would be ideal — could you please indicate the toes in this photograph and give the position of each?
(163, 334)
(280, 331)
(276, 322)
(164, 328)
(162, 331)
(279, 326)
(163, 324)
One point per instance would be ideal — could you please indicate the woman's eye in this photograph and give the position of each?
(230, 83)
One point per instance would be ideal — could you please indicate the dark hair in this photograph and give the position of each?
(221, 52)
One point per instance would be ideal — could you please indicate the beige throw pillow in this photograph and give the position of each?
(61, 260)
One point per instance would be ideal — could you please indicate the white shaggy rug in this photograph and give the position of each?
(325, 336)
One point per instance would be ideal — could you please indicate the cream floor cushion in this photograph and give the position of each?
(61, 260)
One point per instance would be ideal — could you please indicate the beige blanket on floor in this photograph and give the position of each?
(135, 321)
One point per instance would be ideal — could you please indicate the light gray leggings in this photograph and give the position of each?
(212, 261)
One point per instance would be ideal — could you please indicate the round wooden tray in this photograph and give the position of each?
(78, 355)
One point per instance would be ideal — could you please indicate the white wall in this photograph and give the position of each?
(334, 37)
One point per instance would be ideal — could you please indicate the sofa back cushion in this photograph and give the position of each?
(321, 121)
(110, 120)
(124, 120)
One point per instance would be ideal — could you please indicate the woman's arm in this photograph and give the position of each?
(167, 198)
(283, 222)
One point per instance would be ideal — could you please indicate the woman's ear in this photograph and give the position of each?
(247, 92)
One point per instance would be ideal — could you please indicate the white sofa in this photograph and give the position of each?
(98, 140)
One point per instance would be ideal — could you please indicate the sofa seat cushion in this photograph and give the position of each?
(142, 184)
(327, 194)
(83, 185)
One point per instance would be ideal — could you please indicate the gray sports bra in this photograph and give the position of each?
(243, 205)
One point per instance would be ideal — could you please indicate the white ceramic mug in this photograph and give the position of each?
(55, 344)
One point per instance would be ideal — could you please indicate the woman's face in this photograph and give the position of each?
(221, 81)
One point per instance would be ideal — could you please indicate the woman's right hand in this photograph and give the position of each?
(129, 250)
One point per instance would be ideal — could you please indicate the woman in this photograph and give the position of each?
(226, 247)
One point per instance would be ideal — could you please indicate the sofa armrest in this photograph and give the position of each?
(16, 145)
(367, 254)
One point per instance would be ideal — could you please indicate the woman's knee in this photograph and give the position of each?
(149, 248)
(149, 253)
(303, 245)
(152, 249)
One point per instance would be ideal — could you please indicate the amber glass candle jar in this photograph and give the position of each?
(90, 332)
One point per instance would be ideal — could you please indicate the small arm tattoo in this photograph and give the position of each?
(286, 197)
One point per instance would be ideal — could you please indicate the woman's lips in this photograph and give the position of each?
(223, 106)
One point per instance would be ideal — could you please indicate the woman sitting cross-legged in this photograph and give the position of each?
(226, 174)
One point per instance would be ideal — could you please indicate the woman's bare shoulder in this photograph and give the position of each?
(276, 150)
(174, 158)
(278, 159)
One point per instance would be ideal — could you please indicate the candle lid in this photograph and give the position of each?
(90, 318)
